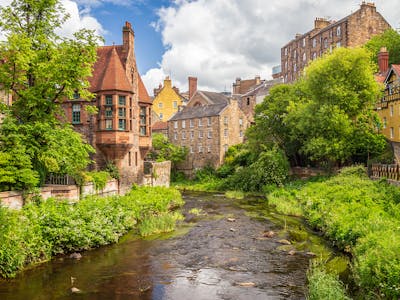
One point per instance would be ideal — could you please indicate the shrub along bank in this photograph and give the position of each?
(361, 217)
(42, 230)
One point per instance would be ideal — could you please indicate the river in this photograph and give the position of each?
(225, 249)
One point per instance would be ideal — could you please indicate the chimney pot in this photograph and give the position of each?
(192, 86)
(383, 60)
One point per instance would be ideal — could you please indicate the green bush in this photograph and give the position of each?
(53, 227)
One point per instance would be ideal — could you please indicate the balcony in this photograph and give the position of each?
(114, 144)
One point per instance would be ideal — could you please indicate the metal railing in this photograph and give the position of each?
(60, 179)
(391, 172)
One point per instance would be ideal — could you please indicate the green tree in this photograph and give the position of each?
(41, 69)
(164, 150)
(389, 39)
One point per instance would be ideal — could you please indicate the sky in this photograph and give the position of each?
(213, 40)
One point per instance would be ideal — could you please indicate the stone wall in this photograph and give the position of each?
(157, 173)
(15, 200)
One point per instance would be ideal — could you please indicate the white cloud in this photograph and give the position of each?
(218, 41)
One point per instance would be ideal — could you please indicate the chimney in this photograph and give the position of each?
(192, 86)
(320, 23)
(167, 82)
(383, 60)
(258, 79)
(128, 37)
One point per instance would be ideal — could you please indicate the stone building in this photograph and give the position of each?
(388, 108)
(121, 129)
(208, 125)
(255, 95)
(167, 100)
(351, 31)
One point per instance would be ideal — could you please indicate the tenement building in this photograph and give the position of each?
(351, 31)
(120, 131)
(207, 126)
(388, 107)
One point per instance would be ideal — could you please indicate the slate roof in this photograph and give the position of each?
(263, 88)
(108, 71)
(213, 98)
(199, 111)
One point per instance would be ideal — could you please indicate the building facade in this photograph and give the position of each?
(120, 131)
(167, 100)
(351, 31)
(207, 126)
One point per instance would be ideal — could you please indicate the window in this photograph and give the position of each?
(76, 95)
(226, 120)
(175, 104)
(121, 112)
(314, 42)
(109, 112)
(191, 123)
(192, 135)
(384, 122)
(304, 56)
(109, 125)
(160, 104)
(121, 124)
(183, 123)
(209, 134)
(285, 65)
(200, 134)
(225, 132)
(143, 121)
(295, 54)
(295, 68)
(240, 122)
(241, 133)
(391, 132)
(338, 31)
(200, 122)
(191, 149)
(314, 56)
(76, 113)
(161, 116)
(200, 149)
(175, 124)
(209, 149)
(248, 100)
(338, 45)
(226, 147)
(391, 110)
(109, 100)
(209, 121)
(304, 42)
(175, 136)
(325, 43)
(121, 100)
(285, 51)
(183, 135)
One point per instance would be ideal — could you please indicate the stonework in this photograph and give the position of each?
(121, 130)
(157, 173)
(351, 31)
(207, 127)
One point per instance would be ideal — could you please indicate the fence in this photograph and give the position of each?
(390, 172)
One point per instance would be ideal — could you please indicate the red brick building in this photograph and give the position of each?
(351, 31)
(121, 130)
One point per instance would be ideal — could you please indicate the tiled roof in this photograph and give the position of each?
(143, 95)
(199, 112)
(160, 126)
(108, 72)
(393, 68)
(396, 69)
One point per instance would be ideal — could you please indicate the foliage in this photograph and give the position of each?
(112, 169)
(54, 227)
(326, 117)
(99, 179)
(49, 147)
(389, 39)
(271, 167)
(359, 216)
(164, 150)
(322, 285)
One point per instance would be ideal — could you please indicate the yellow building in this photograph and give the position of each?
(167, 100)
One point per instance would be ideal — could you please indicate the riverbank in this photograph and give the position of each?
(42, 230)
(360, 217)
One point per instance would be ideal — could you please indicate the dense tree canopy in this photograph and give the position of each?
(41, 69)
(326, 117)
(389, 39)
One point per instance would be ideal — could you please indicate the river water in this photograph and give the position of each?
(219, 252)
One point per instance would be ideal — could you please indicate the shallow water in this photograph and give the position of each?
(219, 252)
